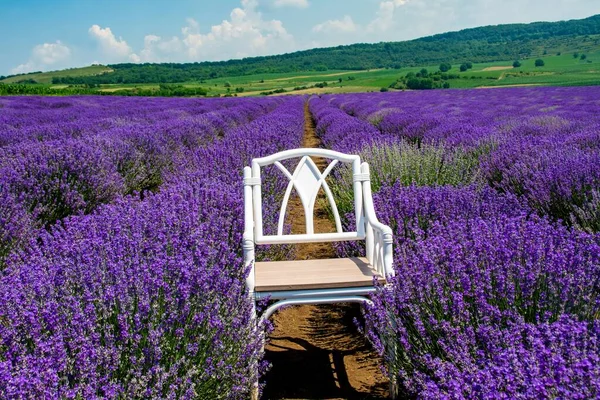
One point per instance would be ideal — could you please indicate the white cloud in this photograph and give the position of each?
(291, 3)
(23, 68)
(157, 49)
(43, 56)
(345, 24)
(113, 48)
(246, 33)
(51, 53)
(385, 15)
(384, 25)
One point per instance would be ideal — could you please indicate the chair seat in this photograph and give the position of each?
(314, 274)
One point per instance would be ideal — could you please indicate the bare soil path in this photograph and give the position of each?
(316, 351)
(322, 75)
(498, 68)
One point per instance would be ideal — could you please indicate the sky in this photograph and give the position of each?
(46, 35)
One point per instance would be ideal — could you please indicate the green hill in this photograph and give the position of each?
(46, 77)
(476, 45)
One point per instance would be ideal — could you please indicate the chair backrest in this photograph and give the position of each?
(307, 180)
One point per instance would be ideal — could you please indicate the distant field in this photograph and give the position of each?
(559, 70)
(46, 77)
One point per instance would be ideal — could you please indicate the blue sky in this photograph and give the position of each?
(55, 34)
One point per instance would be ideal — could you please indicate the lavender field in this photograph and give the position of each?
(494, 199)
(121, 222)
(120, 235)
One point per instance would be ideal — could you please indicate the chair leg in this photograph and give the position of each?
(393, 387)
(254, 395)
(254, 390)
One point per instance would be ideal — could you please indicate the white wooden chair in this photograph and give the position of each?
(314, 281)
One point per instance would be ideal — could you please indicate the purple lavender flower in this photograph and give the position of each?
(489, 300)
(138, 297)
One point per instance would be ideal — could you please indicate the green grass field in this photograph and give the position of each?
(46, 77)
(559, 70)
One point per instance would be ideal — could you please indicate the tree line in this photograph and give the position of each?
(164, 90)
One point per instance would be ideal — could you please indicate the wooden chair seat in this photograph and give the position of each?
(314, 274)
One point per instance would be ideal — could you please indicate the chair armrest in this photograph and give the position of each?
(378, 226)
(379, 237)
(379, 243)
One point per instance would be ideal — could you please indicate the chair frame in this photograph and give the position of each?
(307, 180)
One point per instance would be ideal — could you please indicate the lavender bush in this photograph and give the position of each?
(55, 179)
(492, 196)
(83, 152)
(526, 361)
(532, 128)
(466, 264)
(556, 179)
(587, 217)
(143, 298)
(138, 300)
(15, 224)
(35, 118)
(402, 162)
(339, 131)
(495, 295)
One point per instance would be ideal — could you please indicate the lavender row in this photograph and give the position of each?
(487, 298)
(490, 300)
(521, 134)
(52, 179)
(51, 118)
(144, 298)
(339, 131)
(469, 116)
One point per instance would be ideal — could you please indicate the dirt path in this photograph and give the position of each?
(333, 74)
(316, 351)
(498, 68)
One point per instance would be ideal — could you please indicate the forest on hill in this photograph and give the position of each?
(483, 44)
